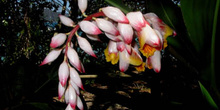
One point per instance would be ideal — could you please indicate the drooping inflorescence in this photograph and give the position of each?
(122, 48)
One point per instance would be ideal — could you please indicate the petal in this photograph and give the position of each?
(57, 40)
(66, 21)
(85, 46)
(79, 103)
(74, 58)
(115, 14)
(156, 61)
(53, 55)
(72, 97)
(74, 76)
(61, 90)
(136, 20)
(107, 26)
(82, 4)
(126, 32)
(123, 61)
(89, 28)
(112, 47)
(135, 58)
(148, 35)
(63, 73)
(114, 38)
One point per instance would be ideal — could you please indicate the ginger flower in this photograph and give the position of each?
(111, 53)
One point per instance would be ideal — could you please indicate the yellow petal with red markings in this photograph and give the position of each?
(135, 58)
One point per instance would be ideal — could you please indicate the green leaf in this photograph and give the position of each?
(207, 96)
(119, 4)
(198, 17)
(201, 22)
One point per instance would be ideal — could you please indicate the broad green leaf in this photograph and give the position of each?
(119, 4)
(198, 17)
(207, 96)
(201, 22)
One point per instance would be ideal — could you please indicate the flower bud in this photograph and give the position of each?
(66, 21)
(74, 58)
(126, 32)
(51, 56)
(79, 103)
(61, 90)
(155, 61)
(74, 76)
(63, 73)
(148, 36)
(57, 40)
(72, 97)
(89, 28)
(85, 46)
(107, 26)
(82, 4)
(123, 61)
(115, 14)
(136, 20)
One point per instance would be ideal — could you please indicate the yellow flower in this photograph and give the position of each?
(147, 50)
(168, 32)
(111, 57)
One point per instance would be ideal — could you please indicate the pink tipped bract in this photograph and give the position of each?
(66, 21)
(63, 73)
(58, 40)
(53, 55)
(107, 26)
(82, 4)
(126, 32)
(89, 28)
(115, 14)
(136, 20)
(85, 46)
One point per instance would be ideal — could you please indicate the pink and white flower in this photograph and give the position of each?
(66, 21)
(85, 46)
(74, 59)
(115, 14)
(53, 55)
(89, 28)
(58, 40)
(107, 26)
(126, 32)
(63, 73)
(136, 20)
(82, 4)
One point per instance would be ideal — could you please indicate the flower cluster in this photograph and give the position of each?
(122, 30)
